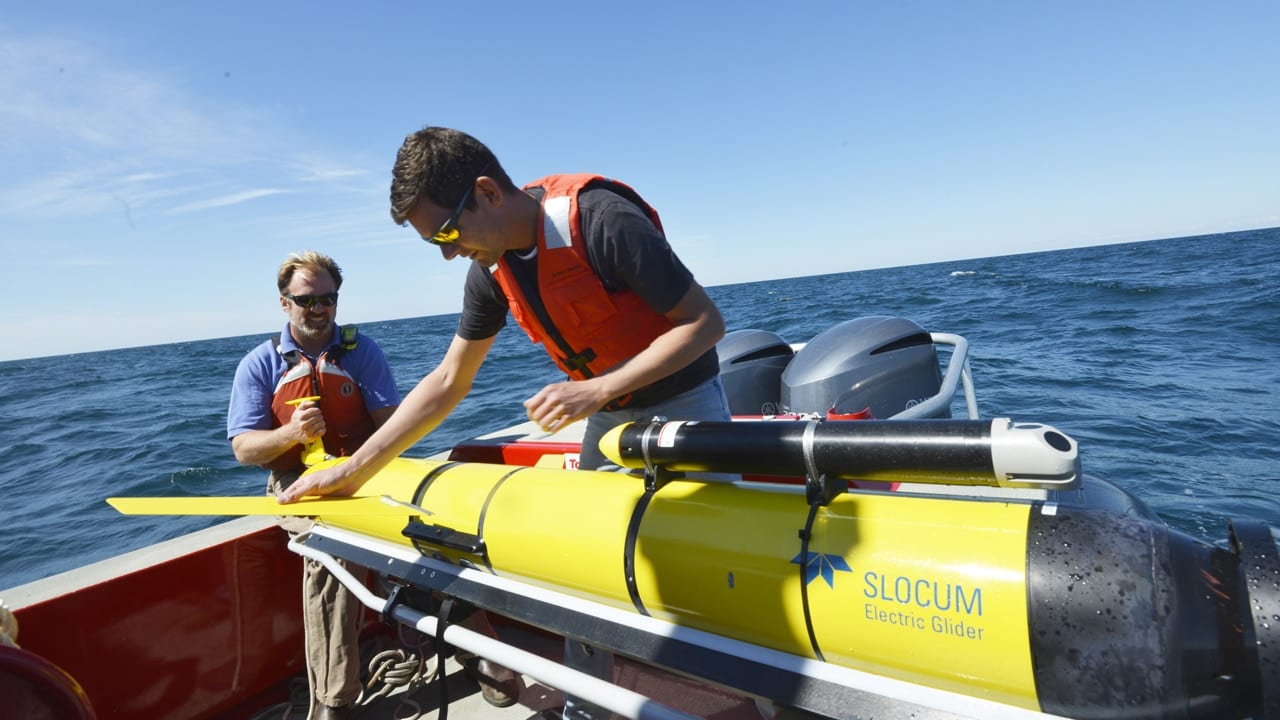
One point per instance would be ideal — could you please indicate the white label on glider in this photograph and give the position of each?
(667, 435)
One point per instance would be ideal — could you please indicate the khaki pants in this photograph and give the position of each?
(330, 619)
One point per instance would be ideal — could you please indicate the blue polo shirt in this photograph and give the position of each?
(260, 370)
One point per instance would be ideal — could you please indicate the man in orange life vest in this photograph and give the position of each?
(313, 356)
(583, 265)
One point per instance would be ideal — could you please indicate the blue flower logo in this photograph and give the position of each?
(824, 565)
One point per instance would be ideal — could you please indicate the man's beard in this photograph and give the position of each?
(314, 329)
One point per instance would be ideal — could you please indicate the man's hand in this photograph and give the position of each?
(558, 404)
(329, 481)
(306, 423)
(259, 447)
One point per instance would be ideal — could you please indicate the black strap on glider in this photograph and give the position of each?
(805, 534)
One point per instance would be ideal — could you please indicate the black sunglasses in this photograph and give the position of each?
(307, 301)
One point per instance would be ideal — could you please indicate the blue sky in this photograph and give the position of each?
(161, 158)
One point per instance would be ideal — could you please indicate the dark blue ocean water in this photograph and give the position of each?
(1161, 358)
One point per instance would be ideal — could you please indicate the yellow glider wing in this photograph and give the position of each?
(257, 505)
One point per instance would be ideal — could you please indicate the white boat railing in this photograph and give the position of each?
(616, 699)
(957, 374)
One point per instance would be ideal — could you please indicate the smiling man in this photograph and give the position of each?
(583, 265)
(316, 380)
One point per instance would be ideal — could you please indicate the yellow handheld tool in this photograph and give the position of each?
(313, 452)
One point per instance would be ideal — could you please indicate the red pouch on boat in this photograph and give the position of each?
(863, 414)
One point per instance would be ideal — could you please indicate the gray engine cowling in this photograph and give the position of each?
(751, 365)
(881, 363)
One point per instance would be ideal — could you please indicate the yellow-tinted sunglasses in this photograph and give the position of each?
(448, 232)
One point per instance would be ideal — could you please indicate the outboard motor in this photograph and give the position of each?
(880, 363)
(751, 365)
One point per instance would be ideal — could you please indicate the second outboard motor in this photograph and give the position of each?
(881, 363)
(751, 365)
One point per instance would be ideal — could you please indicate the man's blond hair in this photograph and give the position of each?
(311, 260)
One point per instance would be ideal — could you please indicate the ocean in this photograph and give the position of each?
(1161, 358)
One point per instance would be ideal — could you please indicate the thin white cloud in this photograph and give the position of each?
(226, 200)
(76, 102)
(83, 136)
(93, 189)
(330, 174)
(146, 177)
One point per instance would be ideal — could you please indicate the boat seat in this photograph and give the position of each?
(34, 688)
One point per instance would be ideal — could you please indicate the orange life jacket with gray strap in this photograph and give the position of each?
(591, 329)
(346, 420)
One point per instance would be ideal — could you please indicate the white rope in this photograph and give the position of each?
(8, 626)
(390, 672)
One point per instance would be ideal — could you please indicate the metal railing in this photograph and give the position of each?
(957, 374)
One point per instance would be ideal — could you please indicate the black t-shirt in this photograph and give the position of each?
(626, 251)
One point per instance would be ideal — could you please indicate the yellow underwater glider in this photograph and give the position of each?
(1047, 592)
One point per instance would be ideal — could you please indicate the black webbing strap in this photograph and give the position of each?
(804, 580)
(442, 622)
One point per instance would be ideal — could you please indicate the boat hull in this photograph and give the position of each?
(192, 628)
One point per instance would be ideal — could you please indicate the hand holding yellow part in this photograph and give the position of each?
(313, 452)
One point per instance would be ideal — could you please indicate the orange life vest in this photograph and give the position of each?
(346, 420)
(592, 329)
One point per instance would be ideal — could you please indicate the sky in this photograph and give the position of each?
(159, 159)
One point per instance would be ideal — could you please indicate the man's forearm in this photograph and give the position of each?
(259, 447)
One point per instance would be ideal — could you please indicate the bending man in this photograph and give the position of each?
(582, 263)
